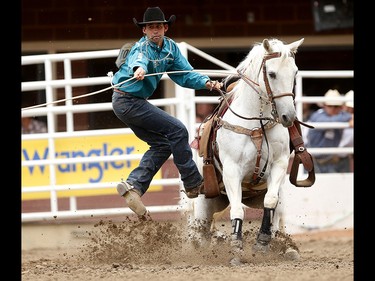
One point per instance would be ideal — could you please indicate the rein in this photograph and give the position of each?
(238, 115)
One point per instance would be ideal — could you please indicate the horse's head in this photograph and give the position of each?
(277, 78)
(270, 69)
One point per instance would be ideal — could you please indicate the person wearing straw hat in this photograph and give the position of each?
(135, 81)
(331, 111)
(347, 139)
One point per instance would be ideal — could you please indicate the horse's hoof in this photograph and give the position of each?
(292, 254)
(236, 245)
(258, 247)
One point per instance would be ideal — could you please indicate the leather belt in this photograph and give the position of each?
(120, 92)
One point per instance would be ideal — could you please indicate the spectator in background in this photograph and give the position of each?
(307, 110)
(31, 125)
(347, 139)
(331, 111)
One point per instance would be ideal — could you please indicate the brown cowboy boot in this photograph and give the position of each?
(195, 191)
(133, 199)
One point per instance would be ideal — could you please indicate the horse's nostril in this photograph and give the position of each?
(285, 119)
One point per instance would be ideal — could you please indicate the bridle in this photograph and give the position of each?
(271, 97)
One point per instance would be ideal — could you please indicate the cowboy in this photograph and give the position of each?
(150, 57)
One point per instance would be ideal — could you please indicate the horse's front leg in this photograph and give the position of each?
(270, 218)
(236, 241)
(232, 182)
(264, 235)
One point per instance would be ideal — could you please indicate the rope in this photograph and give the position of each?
(110, 74)
(147, 43)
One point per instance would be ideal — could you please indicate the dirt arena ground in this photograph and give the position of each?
(158, 250)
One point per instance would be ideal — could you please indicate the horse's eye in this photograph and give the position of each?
(272, 75)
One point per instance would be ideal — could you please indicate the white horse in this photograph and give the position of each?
(252, 147)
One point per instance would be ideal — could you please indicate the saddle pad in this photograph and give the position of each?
(204, 138)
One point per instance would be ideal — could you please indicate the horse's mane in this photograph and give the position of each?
(253, 60)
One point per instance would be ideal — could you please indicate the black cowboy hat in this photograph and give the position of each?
(154, 15)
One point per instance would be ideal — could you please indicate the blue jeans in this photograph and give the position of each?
(164, 134)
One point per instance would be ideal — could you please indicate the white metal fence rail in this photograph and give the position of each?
(183, 104)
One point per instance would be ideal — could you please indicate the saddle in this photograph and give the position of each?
(206, 139)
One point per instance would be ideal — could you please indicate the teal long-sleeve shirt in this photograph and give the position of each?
(155, 59)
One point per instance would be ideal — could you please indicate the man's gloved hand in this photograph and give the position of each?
(210, 85)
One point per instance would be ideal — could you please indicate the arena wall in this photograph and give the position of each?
(327, 205)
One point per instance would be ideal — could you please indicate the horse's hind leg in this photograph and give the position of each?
(217, 235)
(201, 221)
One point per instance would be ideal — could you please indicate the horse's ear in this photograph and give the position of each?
(294, 46)
(267, 46)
